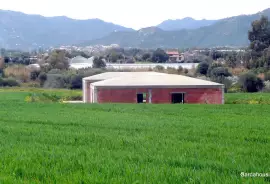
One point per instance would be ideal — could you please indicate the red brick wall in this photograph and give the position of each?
(163, 95)
(192, 95)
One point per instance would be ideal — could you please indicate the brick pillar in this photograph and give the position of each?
(88, 92)
(150, 96)
(222, 89)
(84, 91)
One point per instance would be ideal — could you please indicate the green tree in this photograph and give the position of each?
(146, 56)
(98, 62)
(203, 68)
(219, 75)
(222, 80)
(266, 58)
(231, 59)
(159, 56)
(249, 82)
(259, 35)
(58, 60)
(214, 54)
(114, 57)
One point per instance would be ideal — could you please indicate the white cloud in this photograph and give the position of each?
(137, 13)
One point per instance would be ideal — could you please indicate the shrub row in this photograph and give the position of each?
(8, 82)
(46, 97)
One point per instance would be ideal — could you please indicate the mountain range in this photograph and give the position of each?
(231, 31)
(185, 23)
(23, 31)
(19, 30)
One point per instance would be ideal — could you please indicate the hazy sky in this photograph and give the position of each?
(137, 13)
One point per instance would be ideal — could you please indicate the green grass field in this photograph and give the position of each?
(120, 143)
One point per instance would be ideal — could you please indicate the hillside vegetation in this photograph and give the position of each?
(185, 23)
(118, 143)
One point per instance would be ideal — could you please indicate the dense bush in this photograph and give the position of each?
(90, 71)
(249, 82)
(52, 97)
(233, 79)
(220, 72)
(223, 80)
(267, 76)
(34, 75)
(219, 75)
(171, 70)
(159, 68)
(266, 86)
(2, 65)
(32, 85)
(42, 78)
(1, 72)
(8, 82)
(180, 69)
(76, 82)
(42, 97)
(55, 81)
(55, 71)
(235, 88)
(71, 79)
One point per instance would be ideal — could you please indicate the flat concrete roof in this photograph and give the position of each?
(110, 75)
(154, 80)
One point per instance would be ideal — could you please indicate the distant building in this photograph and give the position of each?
(175, 56)
(150, 87)
(79, 59)
(81, 62)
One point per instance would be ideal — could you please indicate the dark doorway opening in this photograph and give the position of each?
(178, 98)
(139, 98)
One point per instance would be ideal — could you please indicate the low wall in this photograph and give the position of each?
(134, 66)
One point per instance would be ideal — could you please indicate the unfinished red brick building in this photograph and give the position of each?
(150, 87)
